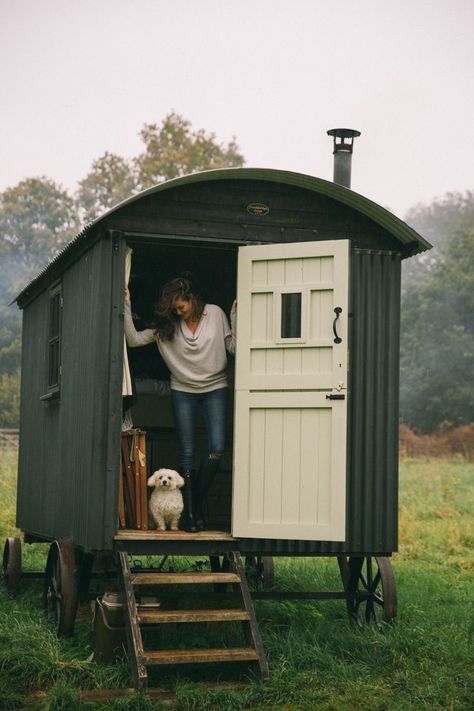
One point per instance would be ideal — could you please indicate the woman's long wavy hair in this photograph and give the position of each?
(166, 320)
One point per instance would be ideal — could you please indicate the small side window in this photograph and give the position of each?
(291, 315)
(54, 338)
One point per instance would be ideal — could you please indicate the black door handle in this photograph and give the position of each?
(337, 311)
(335, 397)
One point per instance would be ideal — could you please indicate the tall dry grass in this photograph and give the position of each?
(446, 441)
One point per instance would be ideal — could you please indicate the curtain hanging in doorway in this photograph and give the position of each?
(127, 380)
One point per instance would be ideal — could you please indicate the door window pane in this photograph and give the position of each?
(291, 315)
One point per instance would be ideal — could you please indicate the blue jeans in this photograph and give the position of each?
(185, 409)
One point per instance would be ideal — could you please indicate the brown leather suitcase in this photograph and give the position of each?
(133, 500)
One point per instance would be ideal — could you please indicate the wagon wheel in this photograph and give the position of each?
(11, 567)
(60, 590)
(344, 570)
(372, 581)
(261, 569)
(84, 563)
(218, 566)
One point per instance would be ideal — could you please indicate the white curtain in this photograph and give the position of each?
(127, 380)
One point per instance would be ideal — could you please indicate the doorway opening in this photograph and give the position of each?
(214, 268)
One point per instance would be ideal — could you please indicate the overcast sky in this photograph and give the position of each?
(81, 77)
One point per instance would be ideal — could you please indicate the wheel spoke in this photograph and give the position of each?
(369, 611)
(54, 594)
(372, 583)
(376, 581)
(357, 604)
(369, 573)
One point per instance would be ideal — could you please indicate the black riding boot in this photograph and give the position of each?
(188, 522)
(207, 474)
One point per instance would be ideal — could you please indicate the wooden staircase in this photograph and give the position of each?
(138, 616)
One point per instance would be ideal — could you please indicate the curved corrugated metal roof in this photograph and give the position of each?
(375, 212)
(370, 209)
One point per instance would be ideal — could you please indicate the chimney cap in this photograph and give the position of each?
(343, 133)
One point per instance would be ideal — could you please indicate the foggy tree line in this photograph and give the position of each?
(437, 318)
(38, 217)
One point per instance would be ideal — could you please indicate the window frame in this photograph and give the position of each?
(54, 340)
(278, 298)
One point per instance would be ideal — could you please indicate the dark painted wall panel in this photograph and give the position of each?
(38, 419)
(65, 443)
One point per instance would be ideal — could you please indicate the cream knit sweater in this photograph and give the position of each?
(198, 361)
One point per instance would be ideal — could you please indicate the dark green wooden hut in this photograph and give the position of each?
(71, 397)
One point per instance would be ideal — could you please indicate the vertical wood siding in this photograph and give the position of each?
(64, 487)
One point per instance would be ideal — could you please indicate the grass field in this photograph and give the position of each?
(318, 659)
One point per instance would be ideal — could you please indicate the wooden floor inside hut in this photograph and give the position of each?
(152, 534)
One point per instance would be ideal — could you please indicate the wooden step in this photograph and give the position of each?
(151, 617)
(196, 656)
(182, 578)
(150, 612)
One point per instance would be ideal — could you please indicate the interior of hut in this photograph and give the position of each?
(214, 269)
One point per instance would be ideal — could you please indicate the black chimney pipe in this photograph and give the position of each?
(343, 154)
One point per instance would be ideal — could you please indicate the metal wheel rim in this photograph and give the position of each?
(261, 569)
(60, 590)
(11, 566)
(375, 599)
(267, 573)
(251, 569)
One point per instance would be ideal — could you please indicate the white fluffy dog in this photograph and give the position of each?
(166, 501)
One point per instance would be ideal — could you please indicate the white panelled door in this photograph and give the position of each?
(290, 391)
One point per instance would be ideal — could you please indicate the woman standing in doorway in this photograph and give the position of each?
(193, 338)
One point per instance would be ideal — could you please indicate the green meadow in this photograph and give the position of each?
(318, 658)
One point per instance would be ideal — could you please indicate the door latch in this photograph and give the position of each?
(334, 396)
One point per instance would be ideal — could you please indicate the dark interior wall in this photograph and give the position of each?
(214, 269)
